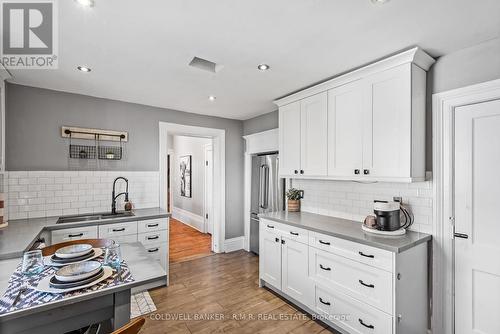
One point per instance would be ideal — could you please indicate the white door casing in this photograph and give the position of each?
(208, 190)
(477, 195)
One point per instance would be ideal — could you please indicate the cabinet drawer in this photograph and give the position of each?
(369, 284)
(152, 225)
(87, 232)
(290, 232)
(123, 239)
(158, 251)
(372, 256)
(119, 229)
(351, 315)
(152, 237)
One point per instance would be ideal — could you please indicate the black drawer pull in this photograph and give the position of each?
(367, 326)
(75, 235)
(153, 238)
(294, 233)
(356, 171)
(324, 242)
(363, 254)
(323, 302)
(119, 229)
(270, 226)
(153, 225)
(367, 285)
(325, 268)
(153, 250)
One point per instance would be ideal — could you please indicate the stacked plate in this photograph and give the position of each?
(78, 274)
(73, 254)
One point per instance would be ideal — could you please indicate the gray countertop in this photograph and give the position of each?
(144, 270)
(22, 233)
(347, 229)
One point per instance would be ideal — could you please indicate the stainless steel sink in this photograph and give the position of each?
(93, 217)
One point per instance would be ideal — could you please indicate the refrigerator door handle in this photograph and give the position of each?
(264, 187)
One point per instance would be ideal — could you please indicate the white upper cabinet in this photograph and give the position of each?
(303, 137)
(313, 134)
(368, 124)
(289, 124)
(346, 111)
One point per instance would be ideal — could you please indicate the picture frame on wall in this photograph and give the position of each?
(185, 173)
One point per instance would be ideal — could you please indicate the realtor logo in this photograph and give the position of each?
(29, 34)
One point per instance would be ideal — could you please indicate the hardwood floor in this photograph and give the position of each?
(223, 286)
(186, 243)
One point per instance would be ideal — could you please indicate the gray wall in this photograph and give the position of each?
(261, 123)
(195, 147)
(34, 117)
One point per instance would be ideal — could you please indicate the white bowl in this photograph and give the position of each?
(78, 271)
(71, 251)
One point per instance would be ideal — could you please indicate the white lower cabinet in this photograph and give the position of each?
(353, 287)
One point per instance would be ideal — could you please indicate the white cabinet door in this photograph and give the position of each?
(346, 109)
(295, 271)
(270, 257)
(387, 124)
(313, 135)
(289, 144)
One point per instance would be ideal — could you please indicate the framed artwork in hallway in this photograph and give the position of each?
(185, 168)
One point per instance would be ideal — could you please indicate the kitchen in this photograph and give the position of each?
(379, 147)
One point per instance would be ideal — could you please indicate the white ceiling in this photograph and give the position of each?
(139, 50)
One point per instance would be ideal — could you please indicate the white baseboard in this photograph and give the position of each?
(234, 244)
(188, 218)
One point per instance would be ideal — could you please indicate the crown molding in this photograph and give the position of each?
(414, 56)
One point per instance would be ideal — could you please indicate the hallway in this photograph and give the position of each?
(187, 243)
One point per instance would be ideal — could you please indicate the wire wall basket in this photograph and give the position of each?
(96, 151)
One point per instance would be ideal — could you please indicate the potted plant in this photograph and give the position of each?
(294, 195)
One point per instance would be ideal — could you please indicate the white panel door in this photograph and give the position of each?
(387, 124)
(314, 130)
(346, 107)
(477, 198)
(270, 257)
(295, 271)
(289, 127)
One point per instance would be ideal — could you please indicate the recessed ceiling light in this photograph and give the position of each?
(212, 98)
(263, 67)
(377, 2)
(84, 68)
(86, 3)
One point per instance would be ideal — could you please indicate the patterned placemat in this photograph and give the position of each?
(32, 297)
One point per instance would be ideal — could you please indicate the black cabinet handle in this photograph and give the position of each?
(277, 239)
(153, 225)
(301, 171)
(293, 233)
(367, 326)
(365, 255)
(366, 171)
(153, 250)
(296, 171)
(323, 302)
(153, 238)
(356, 171)
(367, 285)
(282, 242)
(324, 242)
(119, 229)
(270, 226)
(75, 235)
(325, 268)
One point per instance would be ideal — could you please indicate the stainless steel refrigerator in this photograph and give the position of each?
(267, 192)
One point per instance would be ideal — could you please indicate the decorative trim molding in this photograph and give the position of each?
(188, 218)
(443, 108)
(415, 55)
(234, 244)
(265, 141)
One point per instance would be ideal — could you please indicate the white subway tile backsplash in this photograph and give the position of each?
(37, 194)
(354, 201)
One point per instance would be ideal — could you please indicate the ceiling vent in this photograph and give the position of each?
(205, 65)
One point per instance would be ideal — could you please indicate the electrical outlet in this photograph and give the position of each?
(398, 199)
